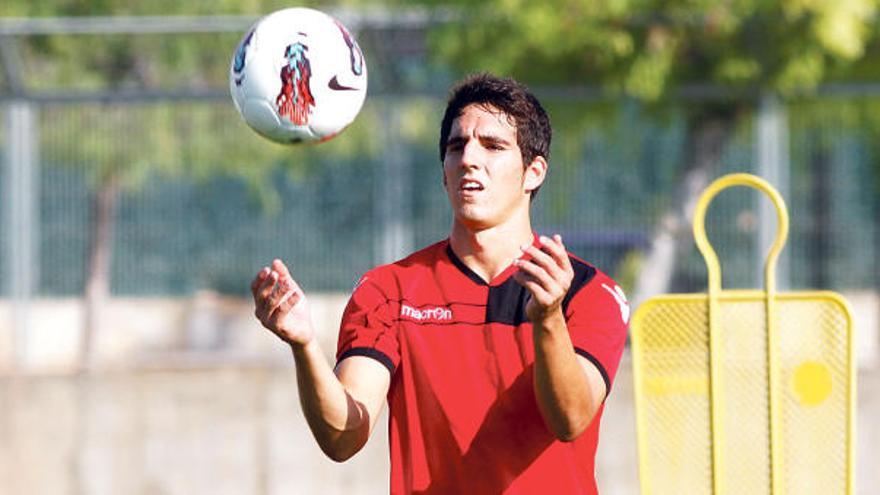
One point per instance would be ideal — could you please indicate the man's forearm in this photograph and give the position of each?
(338, 422)
(561, 387)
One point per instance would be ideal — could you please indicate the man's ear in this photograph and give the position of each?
(535, 173)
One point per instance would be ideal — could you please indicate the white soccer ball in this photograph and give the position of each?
(297, 76)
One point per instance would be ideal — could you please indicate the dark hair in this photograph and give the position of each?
(533, 132)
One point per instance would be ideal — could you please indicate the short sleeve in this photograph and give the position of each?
(597, 319)
(368, 327)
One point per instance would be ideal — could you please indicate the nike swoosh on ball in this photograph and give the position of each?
(334, 85)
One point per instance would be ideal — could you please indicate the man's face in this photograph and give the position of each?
(483, 170)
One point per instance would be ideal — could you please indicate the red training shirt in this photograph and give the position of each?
(463, 413)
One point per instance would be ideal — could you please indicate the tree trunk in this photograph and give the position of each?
(707, 137)
(97, 287)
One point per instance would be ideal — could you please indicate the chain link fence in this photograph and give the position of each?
(331, 211)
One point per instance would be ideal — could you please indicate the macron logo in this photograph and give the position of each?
(427, 314)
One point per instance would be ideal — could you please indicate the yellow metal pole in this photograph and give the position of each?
(714, 290)
(776, 450)
(642, 426)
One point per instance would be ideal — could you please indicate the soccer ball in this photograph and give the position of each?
(298, 76)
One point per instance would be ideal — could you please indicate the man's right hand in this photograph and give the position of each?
(281, 305)
(341, 408)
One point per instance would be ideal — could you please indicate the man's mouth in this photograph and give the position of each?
(470, 185)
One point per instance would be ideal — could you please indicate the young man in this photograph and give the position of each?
(494, 348)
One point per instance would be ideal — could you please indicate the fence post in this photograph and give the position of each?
(393, 185)
(773, 166)
(22, 223)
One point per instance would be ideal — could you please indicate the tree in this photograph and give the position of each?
(122, 145)
(653, 50)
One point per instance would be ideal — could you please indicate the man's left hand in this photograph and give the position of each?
(547, 276)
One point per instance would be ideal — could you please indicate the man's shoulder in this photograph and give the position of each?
(585, 273)
(587, 277)
(428, 255)
(588, 272)
(595, 289)
(418, 261)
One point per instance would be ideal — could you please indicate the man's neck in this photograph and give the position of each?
(489, 252)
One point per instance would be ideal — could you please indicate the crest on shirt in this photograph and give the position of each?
(426, 314)
(620, 297)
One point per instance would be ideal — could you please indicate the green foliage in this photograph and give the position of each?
(644, 48)
(639, 48)
(59, 8)
(129, 143)
(120, 61)
(647, 48)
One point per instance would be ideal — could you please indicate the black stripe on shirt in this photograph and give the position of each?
(589, 357)
(583, 274)
(369, 352)
(507, 301)
(464, 268)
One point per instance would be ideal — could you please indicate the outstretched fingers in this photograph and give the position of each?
(289, 301)
(536, 273)
(273, 288)
(553, 252)
(279, 267)
(262, 287)
(551, 258)
(532, 285)
(547, 273)
(258, 280)
(557, 248)
(288, 292)
(281, 292)
(281, 305)
(543, 259)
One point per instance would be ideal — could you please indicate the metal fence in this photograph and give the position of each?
(184, 222)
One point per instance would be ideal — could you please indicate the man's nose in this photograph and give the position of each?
(471, 154)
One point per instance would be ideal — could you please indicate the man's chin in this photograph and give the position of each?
(472, 220)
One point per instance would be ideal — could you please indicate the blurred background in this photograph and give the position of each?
(136, 206)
